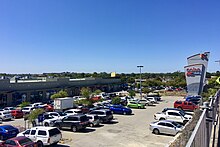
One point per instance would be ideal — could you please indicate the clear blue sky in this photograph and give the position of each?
(39, 36)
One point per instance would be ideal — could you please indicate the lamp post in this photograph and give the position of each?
(140, 66)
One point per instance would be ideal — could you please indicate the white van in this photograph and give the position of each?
(43, 135)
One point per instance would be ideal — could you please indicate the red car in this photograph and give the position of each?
(17, 113)
(48, 108)
(184, 105)
(20, 141)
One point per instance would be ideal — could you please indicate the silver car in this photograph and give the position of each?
(165, 127)
(93, 120)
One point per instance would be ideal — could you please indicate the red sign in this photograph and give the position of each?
(192, 72)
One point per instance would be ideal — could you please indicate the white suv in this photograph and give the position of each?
(43, 135)
(72, 112)
(5, 115)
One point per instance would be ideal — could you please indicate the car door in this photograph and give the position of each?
(172, 116)
(66, 122)
(178, 117)
(42, 135)
(161, 127)
(32, 135)
(170, 129)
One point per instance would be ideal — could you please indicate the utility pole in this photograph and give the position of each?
(140, 66)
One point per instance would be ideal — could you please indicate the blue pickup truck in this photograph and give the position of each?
(119, 109)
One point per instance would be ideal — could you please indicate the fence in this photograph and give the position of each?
(201, 135)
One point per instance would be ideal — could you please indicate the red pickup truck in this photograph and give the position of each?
(184, 105)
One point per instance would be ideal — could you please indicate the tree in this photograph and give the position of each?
(24, 104)
(97, 92)
(132, 93)
(86, 92)
(116, 100)
(60, 94)
(34, 115)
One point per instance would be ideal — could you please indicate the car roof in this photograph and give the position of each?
(7, 126)
(43, 128)
(165, 121)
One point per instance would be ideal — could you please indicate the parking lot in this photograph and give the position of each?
(123, 131)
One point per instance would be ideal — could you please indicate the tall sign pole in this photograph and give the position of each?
(140, 66)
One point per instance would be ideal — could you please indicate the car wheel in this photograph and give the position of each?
(46, 124)
(91, 125)
(185, 121)
(179, 108)
(73, 128)
(162, 119)
(124, 113)
(57, 125)
(1, 138)
(156, 131)
(139, 107)
(1, 120)
(40, 144)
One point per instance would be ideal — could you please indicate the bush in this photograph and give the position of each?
(24, 104)
(34, 114)
(116, 100)
(132, 93)
(60, 94)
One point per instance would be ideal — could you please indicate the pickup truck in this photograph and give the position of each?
(184, 105)
(173, 115)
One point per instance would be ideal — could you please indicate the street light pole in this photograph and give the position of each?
(140, 66)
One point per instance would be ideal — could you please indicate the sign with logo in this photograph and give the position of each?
(192, 72)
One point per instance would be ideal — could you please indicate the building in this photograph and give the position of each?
(16, 90)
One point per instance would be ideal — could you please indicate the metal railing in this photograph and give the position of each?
(201, 136)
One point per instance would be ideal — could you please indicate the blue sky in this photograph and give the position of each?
(106, 35)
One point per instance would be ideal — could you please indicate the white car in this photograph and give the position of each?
(165, 127)
(173, 115)
(145, 102)
(5, 115)
(72, 112)
(57, 115)
(9, 109)
(151, 99)
(27, 110)
(43, 135)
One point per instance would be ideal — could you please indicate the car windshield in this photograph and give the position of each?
(25, 108)
(62, 114)
(182, 113)
(53, 132)
(25, 141)
(83, 118)
(6, 113)
(176, 124)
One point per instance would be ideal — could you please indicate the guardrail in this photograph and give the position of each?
(201, 136)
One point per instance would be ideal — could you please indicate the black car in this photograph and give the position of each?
(104, 115)
(73, 122)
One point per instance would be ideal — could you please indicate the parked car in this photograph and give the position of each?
(48, 108)
(151, 99)
(93, 120)
(176, 109)
(145, 102)
(173, 115)
(5, 115)
(57, 115)
(184, 105)
(133, 104)
(104, 115)
(9, 109)
(8, 131)
(73, 122)
(27, 110)
(119, 109)
(73, 111)
(43, 135)
(17, 113)
(165, 127)
(45, 120)
(194, 99)
(20, 141)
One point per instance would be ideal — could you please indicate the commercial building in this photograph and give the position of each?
(14, 91)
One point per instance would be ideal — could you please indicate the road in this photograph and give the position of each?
(123, 131)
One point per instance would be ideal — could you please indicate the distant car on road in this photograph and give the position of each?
(165, 127)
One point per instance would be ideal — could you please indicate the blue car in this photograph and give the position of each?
(194, 99)
(119, 109)
(7, 132)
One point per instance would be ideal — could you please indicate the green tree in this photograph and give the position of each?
(97, 92)
(24, 104)
(116, 100)
(60, 94)
(132, 93)
(34, 114)
(86, 92)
